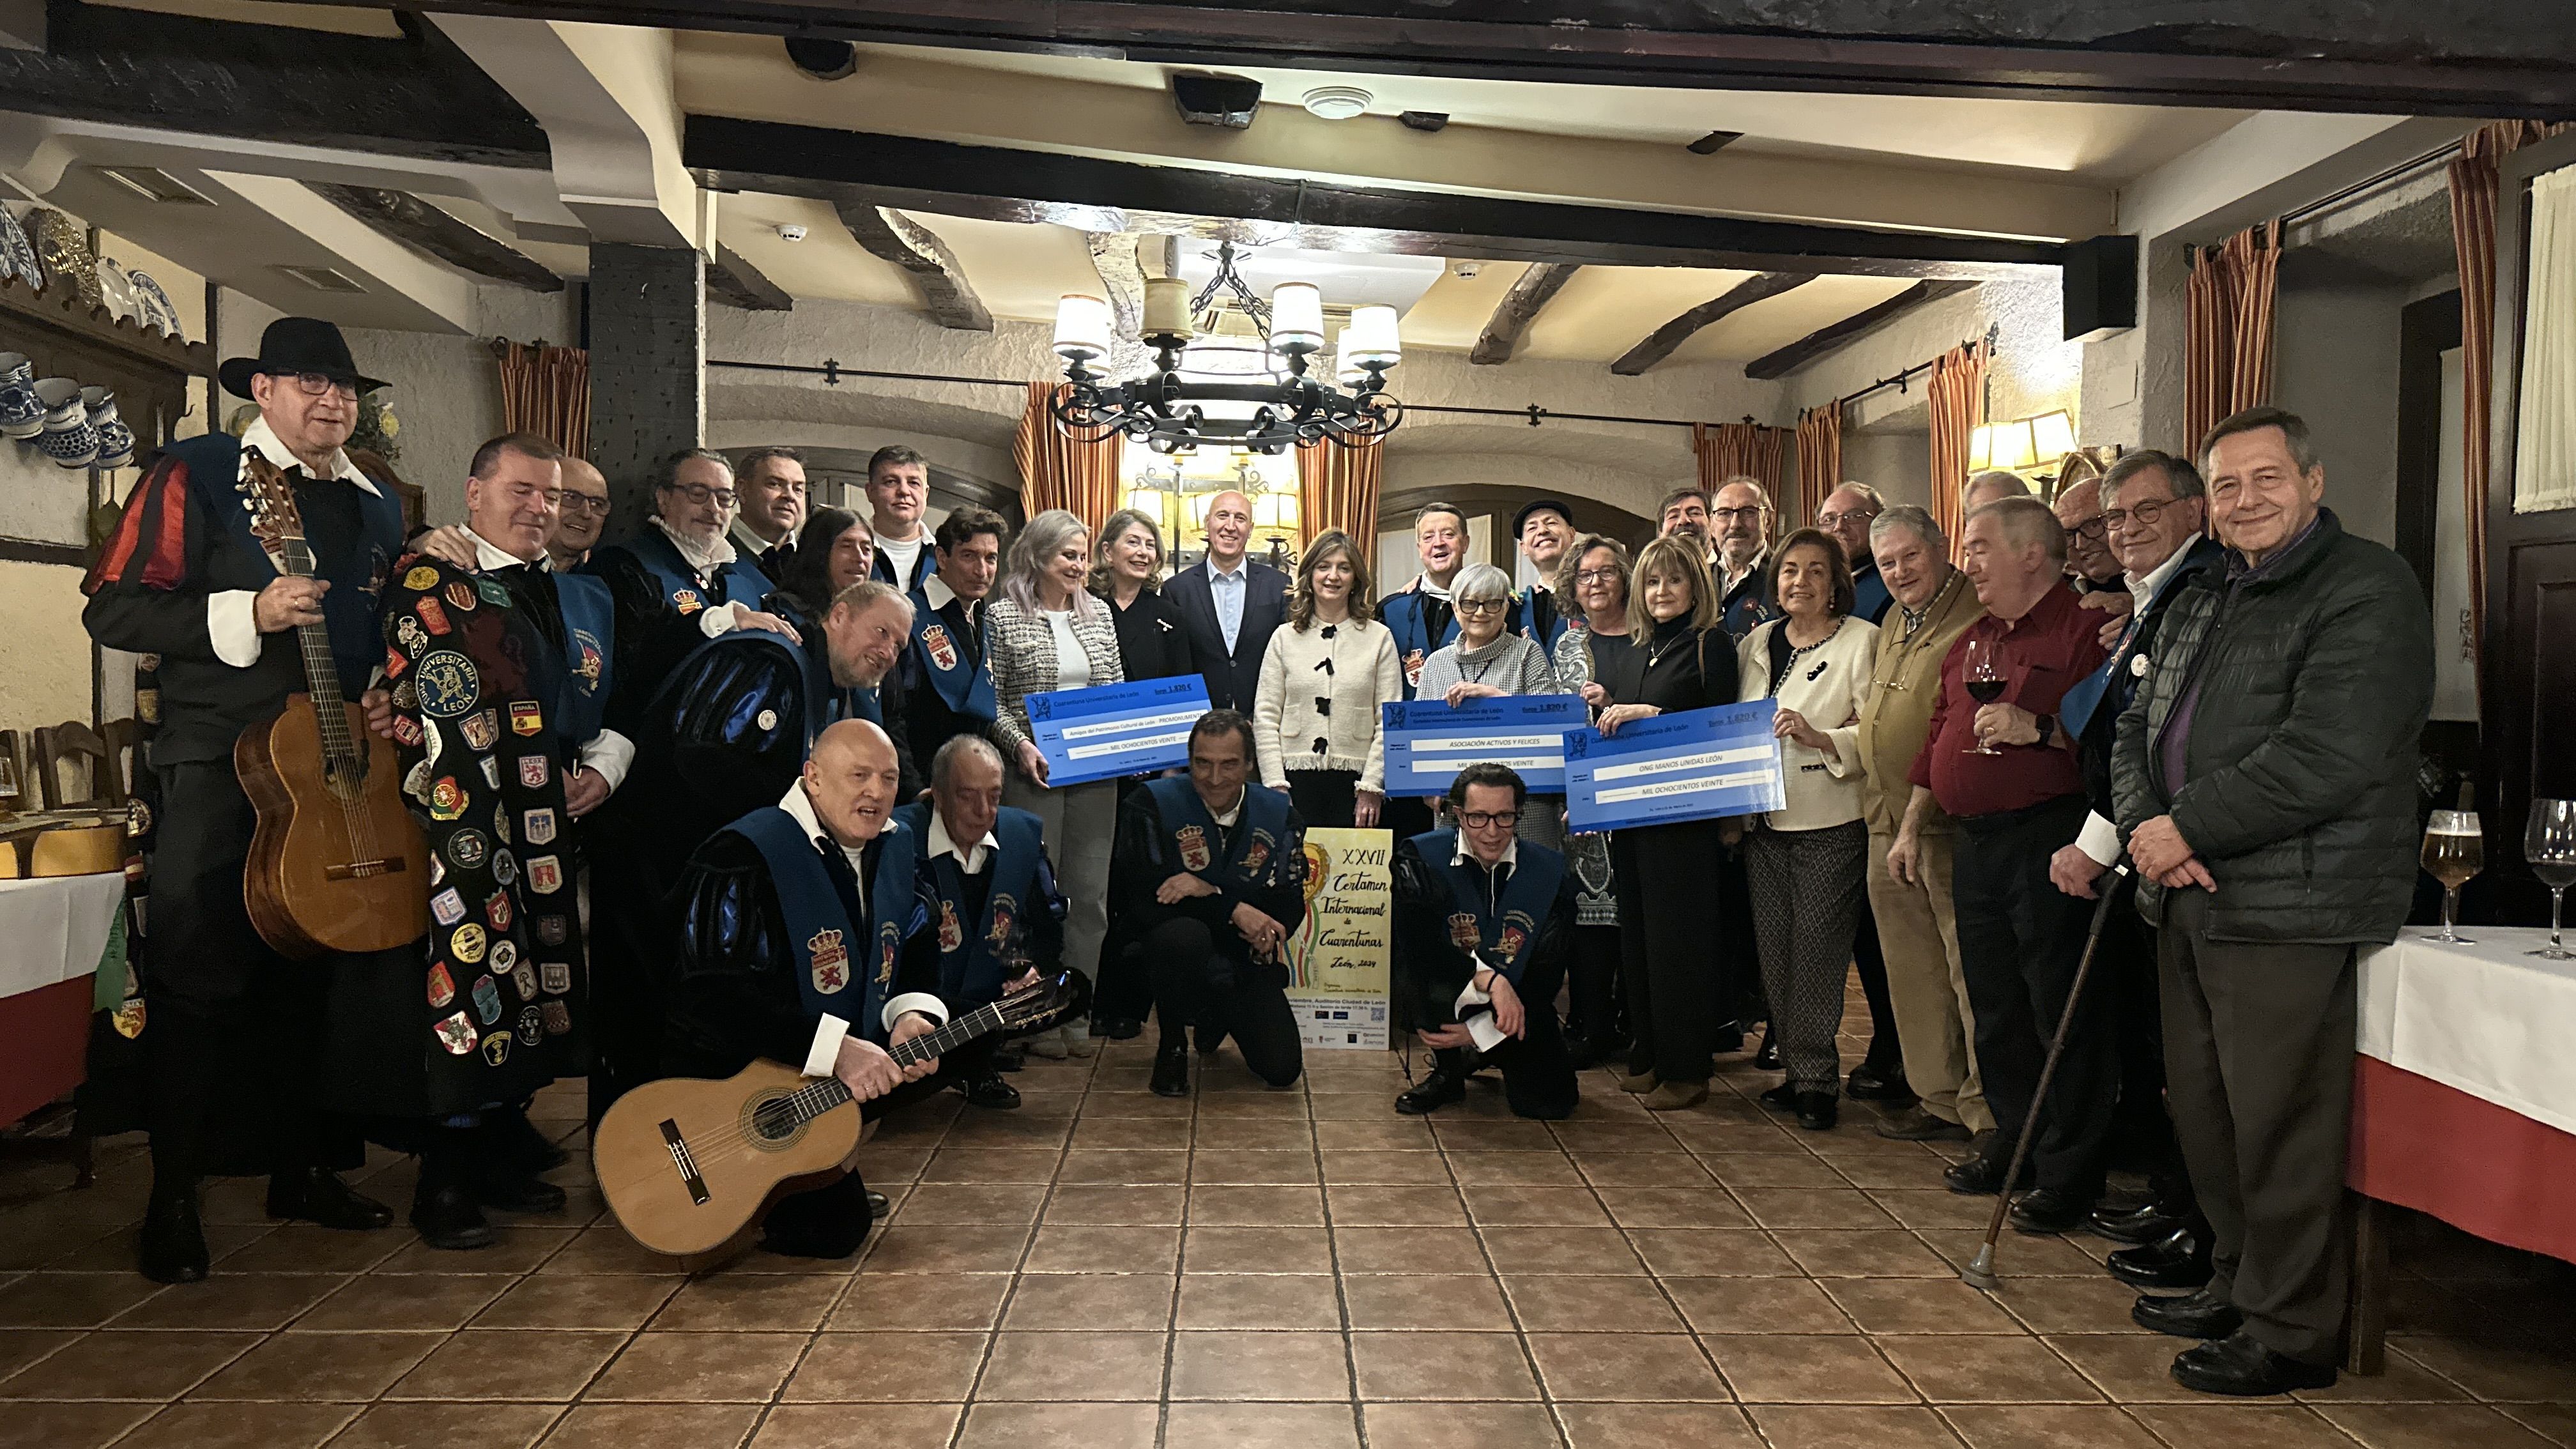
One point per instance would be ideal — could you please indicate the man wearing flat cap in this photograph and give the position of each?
(1543, 527)
(237, 1035)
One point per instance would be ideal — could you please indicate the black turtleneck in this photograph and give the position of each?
(1677, 668)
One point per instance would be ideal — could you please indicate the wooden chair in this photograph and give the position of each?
(124, 741)
(14, 793)
(72, 742)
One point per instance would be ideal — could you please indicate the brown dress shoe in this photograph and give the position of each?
(1639, 1082)
(1674, 1096)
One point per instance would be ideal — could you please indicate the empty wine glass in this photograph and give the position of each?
(2454, 851)
(1983, 674)
(2549, 843)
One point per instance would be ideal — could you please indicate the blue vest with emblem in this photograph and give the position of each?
(971, 968)
(739, 582)
(590, 655)
(1406, 614)
(349, 610)
(1501, 931)
(828, 953)
(965, 684)
(1260, 832)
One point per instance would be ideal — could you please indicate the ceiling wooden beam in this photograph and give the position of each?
(1519, 307)
(1825, 339)
(864, 172)
(945, 293)
(1660, 343)
(734, 281)
(417, 224)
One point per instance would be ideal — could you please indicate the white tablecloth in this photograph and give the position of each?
(2481, 1017)
(54, 928)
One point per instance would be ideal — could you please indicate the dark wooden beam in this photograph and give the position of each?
(1825, 339)
(862, 173)
(734, 281)
(945, 292)
(417, 224)
(1660, 343)
(1519, 307)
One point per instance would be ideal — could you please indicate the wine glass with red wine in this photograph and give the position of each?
(1984, 675)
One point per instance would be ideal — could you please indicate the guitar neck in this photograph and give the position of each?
(321, 670)
(831, 1092)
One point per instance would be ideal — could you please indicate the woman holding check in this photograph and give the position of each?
(1048, 633)
(1489, 660)
(1595, 576)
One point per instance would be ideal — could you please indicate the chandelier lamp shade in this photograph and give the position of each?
(1233, 391)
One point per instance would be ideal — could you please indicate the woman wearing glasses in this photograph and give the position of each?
(1805, 859)
(1315, 715)
(1594, 577)
(1678, 659)
(1488, 659)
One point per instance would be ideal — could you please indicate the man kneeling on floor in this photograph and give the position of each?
(1483, 927)
(803, 939)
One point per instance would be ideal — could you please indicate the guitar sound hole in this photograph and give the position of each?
(774, 1120)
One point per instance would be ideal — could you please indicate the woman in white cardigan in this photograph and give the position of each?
(1316, 712)
(1806, 860)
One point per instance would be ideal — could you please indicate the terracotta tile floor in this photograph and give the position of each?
(1108, 1269)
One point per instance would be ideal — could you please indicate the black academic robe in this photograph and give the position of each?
(1145, 856)
(1431, 965)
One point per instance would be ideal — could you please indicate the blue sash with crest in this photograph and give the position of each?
(971, 968)
(357, 580)
(740, 581)
(966, 684)
(590, 655)
(829, 954)
(1260, 832)
(1504, 931)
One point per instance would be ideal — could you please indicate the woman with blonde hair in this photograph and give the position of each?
(1047, 633)
(1316, 712)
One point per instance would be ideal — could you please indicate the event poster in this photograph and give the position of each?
(1340, 961)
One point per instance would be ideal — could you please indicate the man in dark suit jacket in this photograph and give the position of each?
(1230, 604)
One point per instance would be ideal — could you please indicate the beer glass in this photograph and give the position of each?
(2453, 852)
(2549, 843)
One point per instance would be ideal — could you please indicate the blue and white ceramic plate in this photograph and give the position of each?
(156, 304)
(17, 254)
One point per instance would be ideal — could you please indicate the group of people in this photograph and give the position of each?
(760, 781)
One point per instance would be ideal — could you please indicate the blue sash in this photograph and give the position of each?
(1260, 832)
(1541, 624)
(971, 968)
(881, 568)
(740, 581)
(2113, 681)
(828, 953)
(349, 610)
(1405, 617)
(590, 655)
(1504, 932)
(966, 685)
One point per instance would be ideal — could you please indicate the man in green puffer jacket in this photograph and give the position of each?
(2263, 776)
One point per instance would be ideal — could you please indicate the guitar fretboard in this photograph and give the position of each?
(816, 1098)
(321, 671)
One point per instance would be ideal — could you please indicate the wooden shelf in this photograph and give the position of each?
(59, 309)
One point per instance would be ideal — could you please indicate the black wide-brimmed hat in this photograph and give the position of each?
(1557, 506)
(297, 344)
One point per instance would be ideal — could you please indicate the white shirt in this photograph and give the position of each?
(1072, 666)
(1226, 590)
(825, 1050)
(2143, 590)
(2100, 839)
(703, 558)
(903, 555)
(1482, 1028)
(607, 753)
(970, 861)
(231, 624)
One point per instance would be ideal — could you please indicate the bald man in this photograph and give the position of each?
(1229, 605)
(803, 939)
(2091, 565)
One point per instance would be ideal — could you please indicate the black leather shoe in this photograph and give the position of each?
(878, 1205)
(317, 1195)
(1116, 1028)
(1979, 1176)
(2240, 1367)
(1914, 1124)
(2180, 1261)
(2148, 1222)
(505, 1191)
(1817, 1111)
(512, 1141)
(449, 1218)
(1009, 1058)
(1172, 1070)
(2051, 1210)
(1783, 1097)
(1768, 1058)
(1437, 1089)
(1869, 1084)
(173, 1249)
(989, 1090)
(2194, 1315)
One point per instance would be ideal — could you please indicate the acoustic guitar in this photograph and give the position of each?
(690, 1165)
(336, 861)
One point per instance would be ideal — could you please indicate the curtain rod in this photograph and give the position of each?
(1898, 380)
(2403, 170)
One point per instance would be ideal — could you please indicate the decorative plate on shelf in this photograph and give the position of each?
(117, 292)
(17, 254)
(156, 304)
(64, 247)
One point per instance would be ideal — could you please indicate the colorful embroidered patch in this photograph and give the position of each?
(525, 717)
(496, 1048)
(1194, 848)
(687, 601)
(951, 934)
(449, 685)
(541, 827)
(446, 798)
(481, 728)
(523, 979)
(1513, 938)
(492, 593)
(555, 976)
(467, 944)
(407, 697)
(447, 907)
(497, 911)
(420, 577)
(828, 960)
(487, 999)
(457, 1034)
(410, 635)
(1256, 853)
(545, 875)
(533, 771)
(433, 614)
(943, 650)
(1464, 933)
(460, 596)
(468, 849)
(591, 663)
(406, 730)
(442, 987)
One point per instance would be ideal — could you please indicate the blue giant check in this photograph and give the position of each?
(1428, 742)
(1111, 730)
(1695, 765)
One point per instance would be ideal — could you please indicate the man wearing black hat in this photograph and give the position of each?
(184, 578)
(1544, 527)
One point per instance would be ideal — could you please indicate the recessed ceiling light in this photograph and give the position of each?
(154, 184)
(1337, 103)
(320, 279)
(1714, 142)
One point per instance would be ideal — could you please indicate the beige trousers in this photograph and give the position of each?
(1918, 931)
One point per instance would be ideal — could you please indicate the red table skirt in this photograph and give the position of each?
(44, 1044)
(2484, 1169)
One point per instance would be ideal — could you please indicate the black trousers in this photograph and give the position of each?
(2258, 1056)
(1538, 1075)
(1595, 1009)
(2142, 1132)
(1125, 990)
(831, 1221)
(1197, 986)
(1328, 798)
(1870, 963)
(1672, 976)
(2020, 938)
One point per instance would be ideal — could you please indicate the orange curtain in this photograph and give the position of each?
(1725, 450)
(1337, 488)
(2227, 357)
(2475, 187)
(546, 391)
(1957, 399)
(1059, 469)
(1820, 459)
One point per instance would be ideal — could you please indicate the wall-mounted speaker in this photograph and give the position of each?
(2101, 287)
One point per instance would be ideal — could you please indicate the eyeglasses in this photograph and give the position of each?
(1482, 820)
(315, 384)
(1754, 512)
(585, 502)
(1481, 606)
(700, 493)
(1837, 520)
(2142, 513)
(1599, 576)
(2091, 528)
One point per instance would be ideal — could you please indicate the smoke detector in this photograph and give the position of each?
(1466, 271)
(791, 232)
(1337, 103)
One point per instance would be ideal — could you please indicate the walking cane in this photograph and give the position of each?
(1980, 1272)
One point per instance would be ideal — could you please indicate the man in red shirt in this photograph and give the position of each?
(2019, 936)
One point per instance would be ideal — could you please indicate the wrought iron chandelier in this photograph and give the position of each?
(1254, 393)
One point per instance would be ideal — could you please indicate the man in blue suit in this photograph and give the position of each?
(1230, 604)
